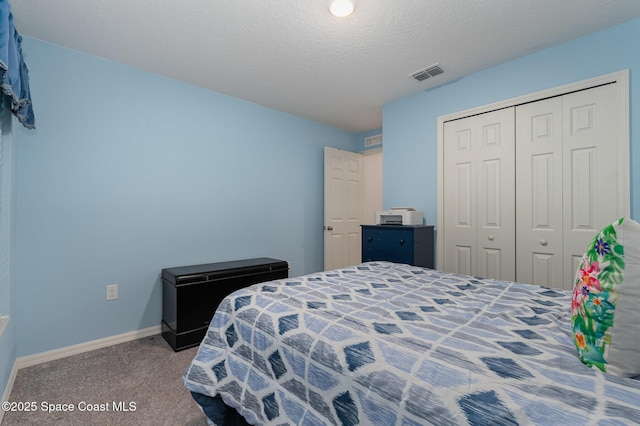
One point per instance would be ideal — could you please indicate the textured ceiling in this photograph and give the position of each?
(293, 56)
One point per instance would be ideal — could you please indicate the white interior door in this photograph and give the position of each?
(343, 206)
(572, 178)
(591, 170)
(539, 197)
(479, 206)
(496, 189)
(569, 186)
(460, 227)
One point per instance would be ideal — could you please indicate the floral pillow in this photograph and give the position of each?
(605, 310)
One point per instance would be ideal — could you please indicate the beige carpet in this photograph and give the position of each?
(143, 375)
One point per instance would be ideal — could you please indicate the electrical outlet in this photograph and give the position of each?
(112, 291)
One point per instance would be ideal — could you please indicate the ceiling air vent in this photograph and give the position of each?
(373, 140)
(426, 73)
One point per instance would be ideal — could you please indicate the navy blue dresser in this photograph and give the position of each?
(413, 245)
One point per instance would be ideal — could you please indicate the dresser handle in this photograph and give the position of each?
(370, 239)
(491, 237)
(543, 242)
(401, 242)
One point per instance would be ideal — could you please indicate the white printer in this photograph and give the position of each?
(399, 216)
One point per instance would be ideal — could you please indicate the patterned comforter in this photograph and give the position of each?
(391, 344)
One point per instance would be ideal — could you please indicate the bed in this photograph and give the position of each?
(383, 343)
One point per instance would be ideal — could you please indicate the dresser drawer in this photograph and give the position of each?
(391, 244)
(413, 245)
(388, 239)
(398, 256)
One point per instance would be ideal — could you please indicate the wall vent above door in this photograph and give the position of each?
(373, 140)
(426, 73)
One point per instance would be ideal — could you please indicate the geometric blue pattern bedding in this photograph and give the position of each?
(390, 344)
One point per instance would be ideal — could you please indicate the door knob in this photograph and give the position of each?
(491, 237)
(543, 242)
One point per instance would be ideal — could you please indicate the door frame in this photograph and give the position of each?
(373, 184)
(619, 77)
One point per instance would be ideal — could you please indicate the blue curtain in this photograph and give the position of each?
(13, 70)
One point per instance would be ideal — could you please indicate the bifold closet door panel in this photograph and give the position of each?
(496, 189)
(592, 170)
(460, 148)
(539, 196)
(479, 181)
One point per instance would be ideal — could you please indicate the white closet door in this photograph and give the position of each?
(496, 188)
(591, 170)
(570, 162)
(568, 179)
(539, 196)
(479, 204)
(459, 154)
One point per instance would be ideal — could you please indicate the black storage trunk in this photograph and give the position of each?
(191, 294)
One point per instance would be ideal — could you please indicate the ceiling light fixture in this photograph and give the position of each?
(342, 8)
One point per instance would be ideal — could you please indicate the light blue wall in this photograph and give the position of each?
(410, 136)
(129, 172)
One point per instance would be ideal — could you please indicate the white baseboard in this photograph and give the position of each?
(29, 360)
(7, 389)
